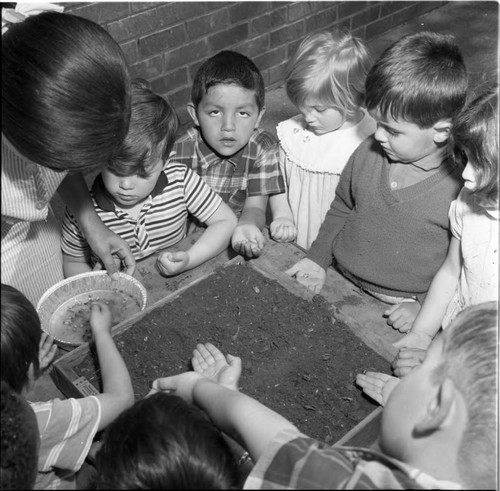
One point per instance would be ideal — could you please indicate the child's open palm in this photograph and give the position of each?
(211, 363)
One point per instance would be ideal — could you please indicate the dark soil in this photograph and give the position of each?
(296, 358)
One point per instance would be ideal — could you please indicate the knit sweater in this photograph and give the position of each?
(387, 241)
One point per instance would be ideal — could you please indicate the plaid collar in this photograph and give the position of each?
(104, 201)
(211, 158)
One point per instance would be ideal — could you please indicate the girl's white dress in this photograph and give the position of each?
(477, 231)
(312, 165)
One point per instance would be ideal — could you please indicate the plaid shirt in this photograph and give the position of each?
(295, 461)
(252, 171)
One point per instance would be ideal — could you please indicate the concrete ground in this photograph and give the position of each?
(475, 26)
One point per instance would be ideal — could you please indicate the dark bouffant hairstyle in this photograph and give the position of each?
(162, 442)
(65, 91)
(151, 134)
(21, 334)
(228, 67)
(20, 441)
(421, 79)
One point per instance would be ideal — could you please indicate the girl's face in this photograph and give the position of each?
(469, 176)
(321, 119)
(128, 191)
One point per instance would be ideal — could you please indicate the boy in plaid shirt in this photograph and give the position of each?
(234, 157)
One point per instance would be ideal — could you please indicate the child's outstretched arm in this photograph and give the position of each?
(441, 291)
(215, 239)
(282, 228)
(105, 243)
(247, 238)
(117, 394)
(244, 419)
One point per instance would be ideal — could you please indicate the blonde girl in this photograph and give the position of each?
(325, 80)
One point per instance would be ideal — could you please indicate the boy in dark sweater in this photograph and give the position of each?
(387, 229)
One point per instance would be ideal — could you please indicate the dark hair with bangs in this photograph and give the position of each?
(475, 132)
(151, 135)
(162, 442)
(65, 91)
(21, 335)
(421, 79)
(228, 67)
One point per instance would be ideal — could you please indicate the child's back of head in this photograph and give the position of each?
(65, 91)
(21, 334)
(228, 67)
(470, 359)
(164, 443)
(329, 68)
(151, 135)
(20, 441)
(421, 79)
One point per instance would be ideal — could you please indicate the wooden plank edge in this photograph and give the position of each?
(365, 433)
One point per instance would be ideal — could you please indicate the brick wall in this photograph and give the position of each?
(166, 42)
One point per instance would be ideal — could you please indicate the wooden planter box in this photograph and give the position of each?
(349, 307)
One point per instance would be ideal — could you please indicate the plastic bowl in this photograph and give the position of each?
(64, 309)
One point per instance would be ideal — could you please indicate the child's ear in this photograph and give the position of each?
(438, 409)
(192, 112)
(442, 130)
(261, 113)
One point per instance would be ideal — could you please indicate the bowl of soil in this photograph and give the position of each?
(64, 309)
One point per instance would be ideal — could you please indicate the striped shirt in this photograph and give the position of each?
(162, 221)
(252, 171)
(67, 429)
(295, 461)
(31, 258)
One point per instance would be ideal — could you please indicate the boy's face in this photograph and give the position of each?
(406, 143)
(227, 116)
(321, 119)
(128, 191)
(408, 404)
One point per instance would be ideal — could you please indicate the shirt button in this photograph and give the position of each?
(394, 185)
(40, 205)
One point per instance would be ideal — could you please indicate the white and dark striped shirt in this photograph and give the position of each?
(162, 221)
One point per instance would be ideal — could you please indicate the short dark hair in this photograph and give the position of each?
(151, 135)
(20, 441)
(21, 334)
(421, 79)
(162, 442)
(228, 67)
(475, 132)
(65, 91)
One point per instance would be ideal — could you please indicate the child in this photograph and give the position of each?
(325, 80)
(146, 202)
(438, 426)
(164, 443)
(469, 274)
(67, 427)
(65, 107)
(388, 227)
(239, 161)
(20, 441)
